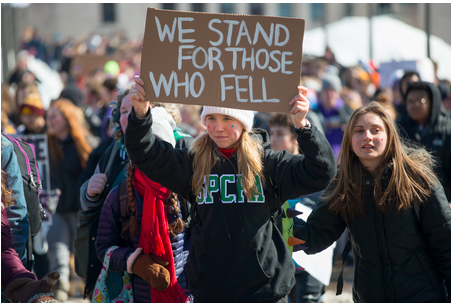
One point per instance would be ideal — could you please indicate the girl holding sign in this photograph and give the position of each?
(395, 210)
(236, 186)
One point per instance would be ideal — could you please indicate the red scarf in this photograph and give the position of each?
(155, 235)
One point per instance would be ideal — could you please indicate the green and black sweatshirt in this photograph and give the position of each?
(237, 253)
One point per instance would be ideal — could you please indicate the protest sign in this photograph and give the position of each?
(225, 60)
(387, 70)
(39, 142)
(48, 197)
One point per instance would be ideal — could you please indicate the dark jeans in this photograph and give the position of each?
(307, 289)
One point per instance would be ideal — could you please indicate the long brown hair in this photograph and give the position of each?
(78, 132)
(249, 160)
(171, 206)
(7, 193)
(411, 176)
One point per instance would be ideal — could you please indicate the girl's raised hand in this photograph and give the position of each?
(301, 106)
(137, 97)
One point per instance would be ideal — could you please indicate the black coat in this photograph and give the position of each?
(237, 253)
(64, 175)
(435, 136)
(397, 257)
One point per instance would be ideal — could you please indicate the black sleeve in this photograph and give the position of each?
(306, 173)
(158, 160)
(322, 228)
(435, 219)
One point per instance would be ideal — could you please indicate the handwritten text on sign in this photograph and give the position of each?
(247, 62)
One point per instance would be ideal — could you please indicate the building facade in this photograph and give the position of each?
(74, 19)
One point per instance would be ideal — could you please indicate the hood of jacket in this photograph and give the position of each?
(436, 102)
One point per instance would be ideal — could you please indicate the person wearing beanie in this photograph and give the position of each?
(73, 93)
(236, 188)
(332, 110)
(154, 252)
(31, 114)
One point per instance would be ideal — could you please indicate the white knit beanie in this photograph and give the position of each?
(244, 116)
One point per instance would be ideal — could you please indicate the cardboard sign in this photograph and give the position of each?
(39, 142)
(87, 63)
(224, 60)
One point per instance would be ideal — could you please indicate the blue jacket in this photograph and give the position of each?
(17, 213)
(109, 235)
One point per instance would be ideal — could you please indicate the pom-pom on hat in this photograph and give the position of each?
(244, 116)
(32, 105)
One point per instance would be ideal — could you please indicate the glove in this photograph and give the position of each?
(27, 290)
(152, 269)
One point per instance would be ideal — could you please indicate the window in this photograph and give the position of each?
(349, 9)
(227, 8)
(256, 9)
(285, 9)
(169, 6)
(385, 8)
(109, 12)
(197, 7)
(317, 11)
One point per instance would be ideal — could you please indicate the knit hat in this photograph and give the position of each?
(331, 81)
(32, 105)
(73, 93)
(244, 116)
(163, 125)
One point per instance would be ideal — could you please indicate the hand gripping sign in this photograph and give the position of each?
(224, 60)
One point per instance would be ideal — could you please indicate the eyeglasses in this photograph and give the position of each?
(420, 102)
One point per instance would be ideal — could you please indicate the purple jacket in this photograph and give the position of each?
(12, 267)
(109, 235)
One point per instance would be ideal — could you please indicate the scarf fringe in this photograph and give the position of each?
(173, 294)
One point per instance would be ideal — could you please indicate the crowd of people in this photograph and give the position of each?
(367, 167)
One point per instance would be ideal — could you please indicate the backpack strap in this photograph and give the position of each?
(114, 152)
(346, 250)
(271, 192)
(123, 200)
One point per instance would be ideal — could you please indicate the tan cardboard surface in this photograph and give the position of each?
(87, 63)
(235, 61)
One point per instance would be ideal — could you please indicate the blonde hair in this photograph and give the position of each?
(249, 161)
(411, 175)
(74, 116)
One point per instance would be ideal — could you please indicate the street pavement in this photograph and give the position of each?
(329, 296)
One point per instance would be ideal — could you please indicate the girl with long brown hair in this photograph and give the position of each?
(395, 210)
(153, 224)
(235, 186)
(68, 153)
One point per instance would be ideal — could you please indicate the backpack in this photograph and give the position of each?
(86, 221)
(26, 158)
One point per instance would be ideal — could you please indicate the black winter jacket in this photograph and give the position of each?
(237, 253)
(397, 257)
(435, 136)
(64, 175)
